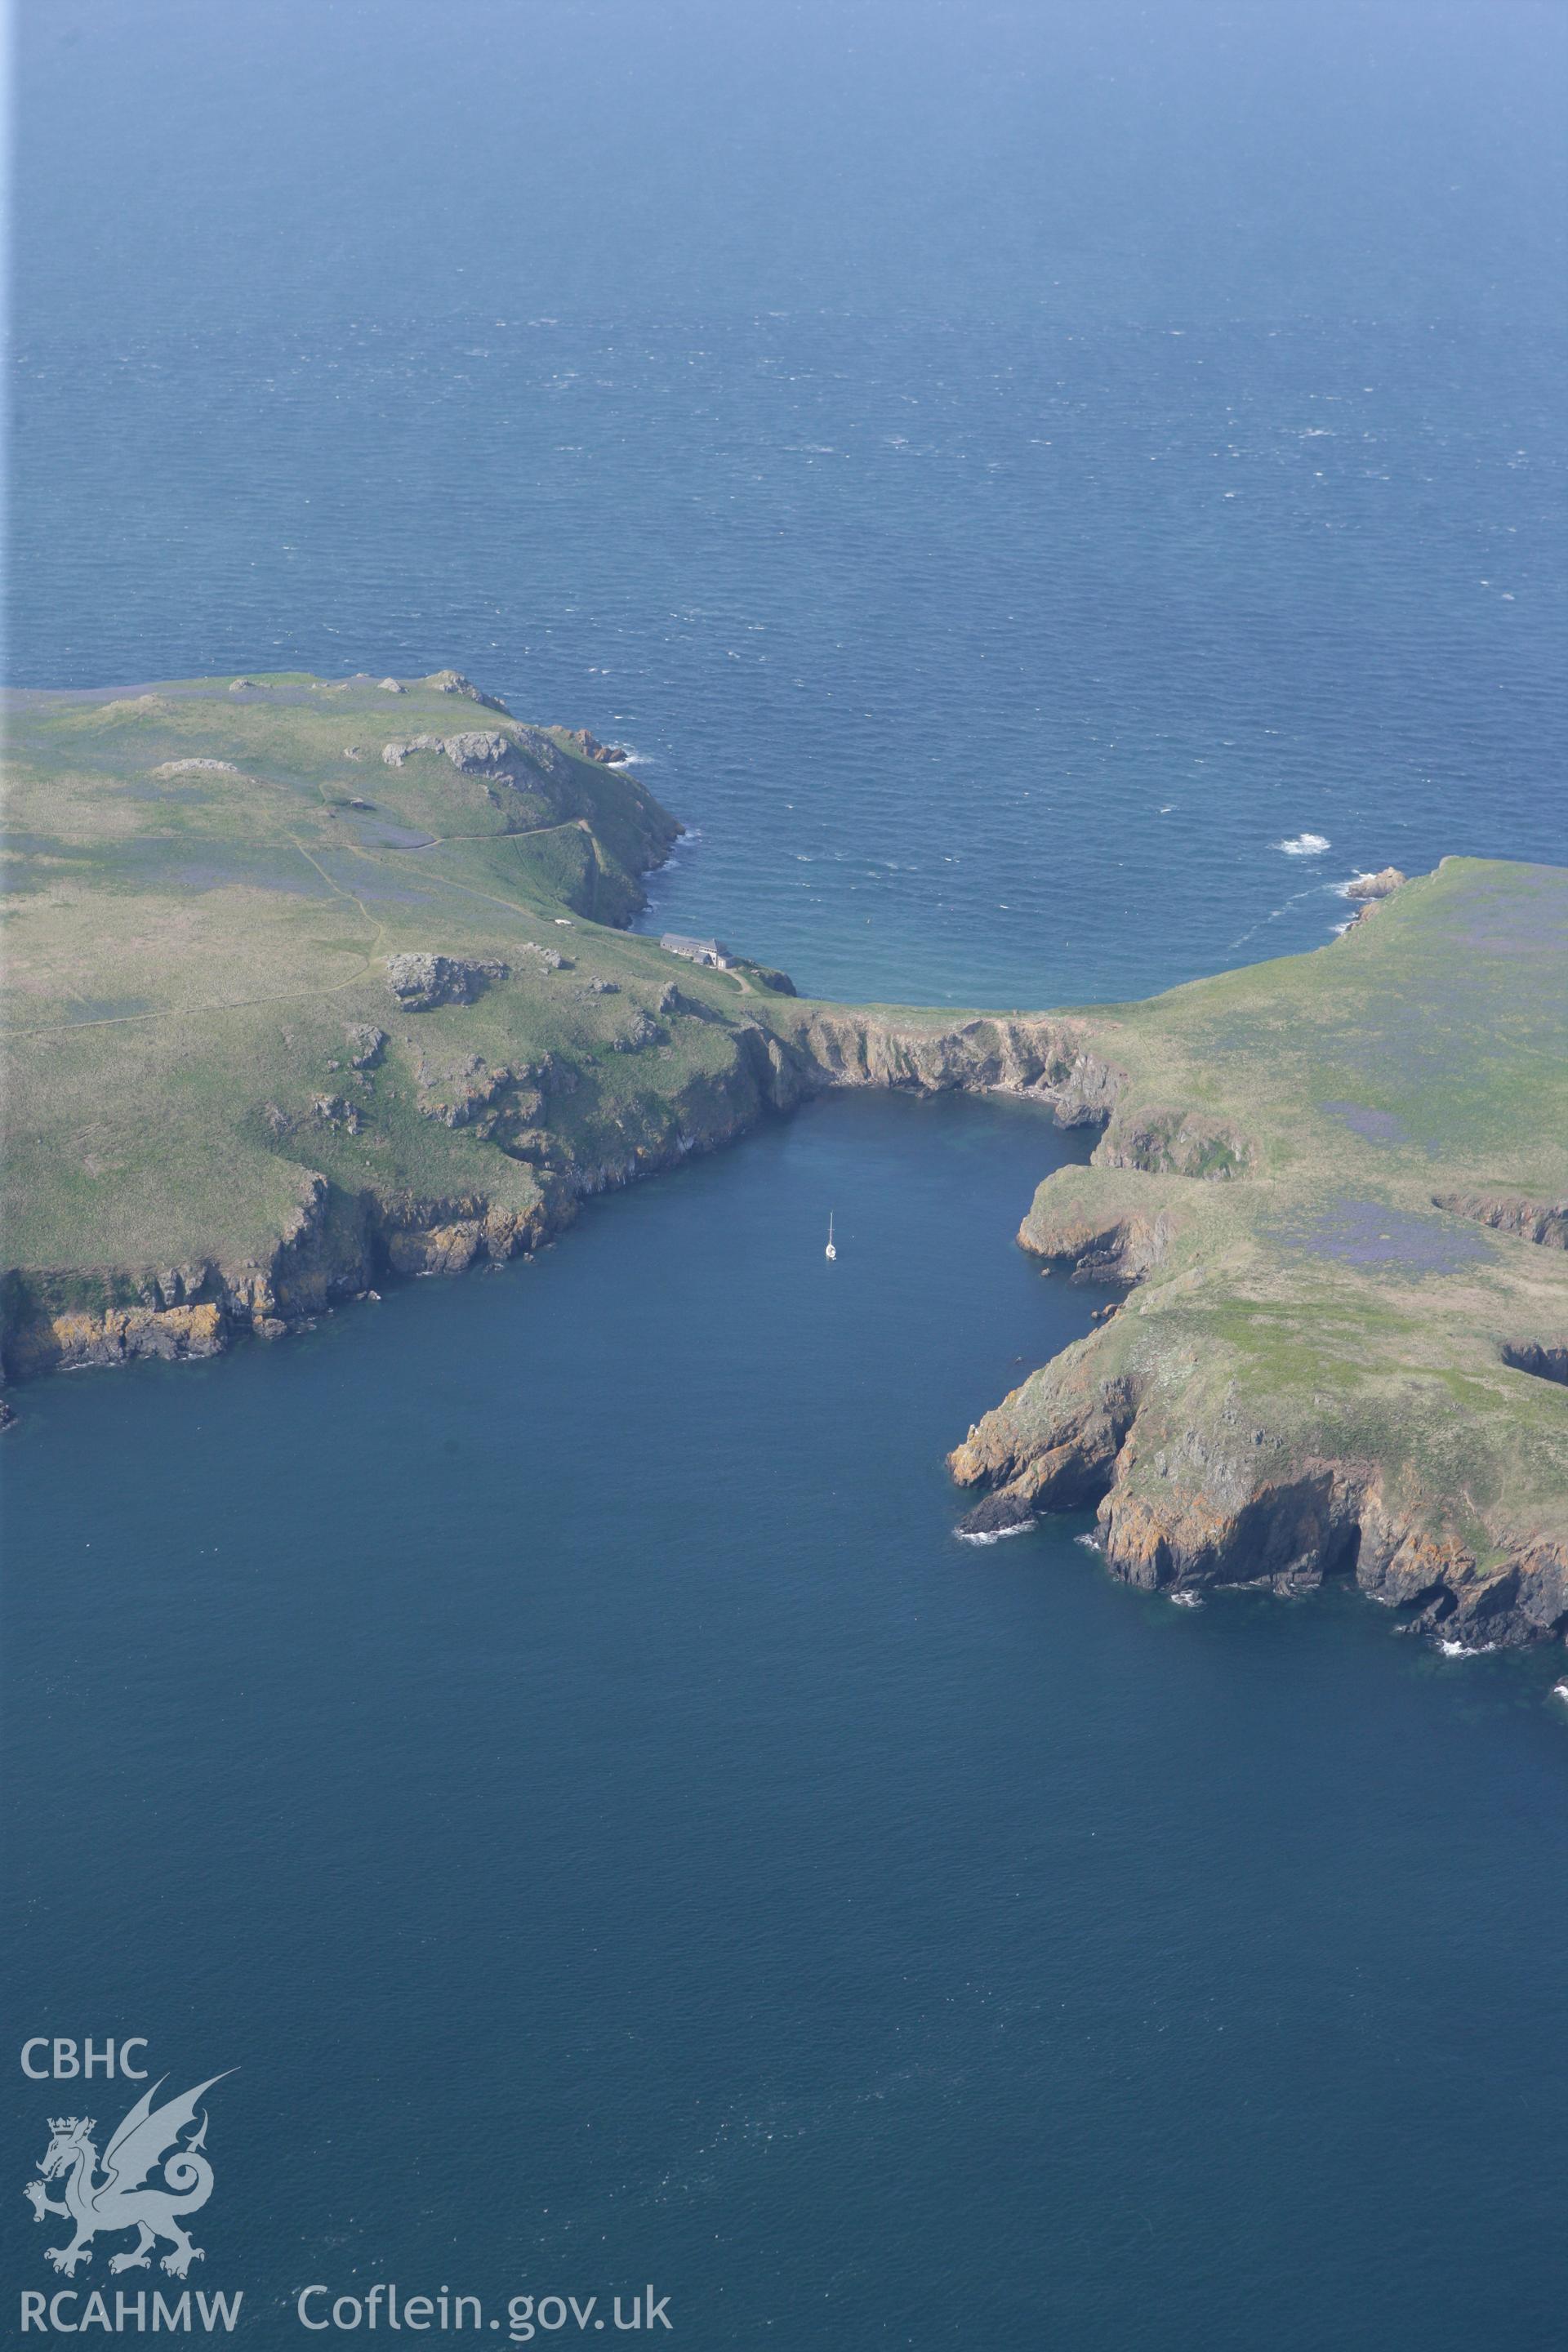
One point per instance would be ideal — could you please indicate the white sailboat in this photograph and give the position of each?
(831, 1251)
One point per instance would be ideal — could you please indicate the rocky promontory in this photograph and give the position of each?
(1336, 1187)
(278, 1031)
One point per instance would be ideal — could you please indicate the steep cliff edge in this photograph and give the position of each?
(1045, 1057)
(309, 985)
(1341, 1351)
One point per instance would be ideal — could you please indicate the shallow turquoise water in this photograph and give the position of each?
(541, 1729)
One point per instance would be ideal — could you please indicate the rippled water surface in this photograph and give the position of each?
(543, 1730)
(1002, 666)
(1046, 501)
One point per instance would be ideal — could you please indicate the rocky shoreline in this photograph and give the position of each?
(1185, 1510)
(337, 1244)
(1189, 1499)
(280, 1032)
(1231, 1504)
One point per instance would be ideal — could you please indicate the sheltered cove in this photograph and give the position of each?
(295, 1000)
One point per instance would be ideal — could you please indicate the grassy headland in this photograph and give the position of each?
(310, 979)
(1339, 1184)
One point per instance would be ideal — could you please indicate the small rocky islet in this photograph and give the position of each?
(297, 997)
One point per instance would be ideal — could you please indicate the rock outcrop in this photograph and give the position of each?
(452, 681)
(1381, 884)
(1544, 1221)
(1102, 1236)
(1046, 1059)
(117, 1334)
(471, 752)
(1184, 1504)
(588, 747)
(366, 1044)
(421, 981)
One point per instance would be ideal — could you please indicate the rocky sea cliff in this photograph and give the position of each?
(278, 1032)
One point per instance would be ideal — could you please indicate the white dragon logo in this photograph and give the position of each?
(126, 2198)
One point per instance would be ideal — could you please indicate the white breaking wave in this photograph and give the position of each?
(992, 1535)
(1185, 1601)
(1305, 844)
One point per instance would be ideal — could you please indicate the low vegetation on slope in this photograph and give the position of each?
(1340, 1183)
(312, 979)
(303, 975)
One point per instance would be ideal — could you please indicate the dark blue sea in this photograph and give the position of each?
(1046, 496)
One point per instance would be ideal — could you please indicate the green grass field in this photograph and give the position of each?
(1342, 1178)
(190, 945)
(1370, 1221)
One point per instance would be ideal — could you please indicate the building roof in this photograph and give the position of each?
(679, 945)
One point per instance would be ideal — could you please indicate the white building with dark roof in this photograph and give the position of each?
(712, 952)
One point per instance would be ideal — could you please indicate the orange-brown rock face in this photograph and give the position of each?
(66, 1342)
(1052, 1445)
(1182, 1508)
(1287, 1534)
(1046, 1058)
